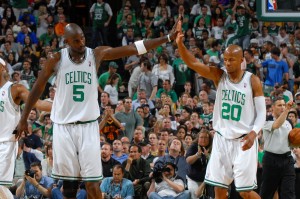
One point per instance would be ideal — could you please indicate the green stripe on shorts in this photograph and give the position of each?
(90, 179)
(248, 188)
(216, 183)
(6, 183)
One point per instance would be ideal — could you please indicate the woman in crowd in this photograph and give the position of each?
(163, 70)
(200, 26)
(197, 158)
(182, 100)
(3, 28)
(111, 88)
(215, 15)
(9, 15)
(162, 5)
(54, 44)
(11, 59)
(47, 163)
(181, 133)
(153, 141)
(28, 47)
(293, 117)
(162, 147)
(188, 140)
(296, 154)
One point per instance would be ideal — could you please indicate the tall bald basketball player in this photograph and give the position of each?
(11, 95)
(76, 147)
(239, 114)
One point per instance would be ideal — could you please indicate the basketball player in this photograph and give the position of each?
(11, 95)
(76, 147)
(239, 114)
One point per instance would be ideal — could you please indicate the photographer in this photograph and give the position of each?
(117, 187)
(35, 185)
(171, 185)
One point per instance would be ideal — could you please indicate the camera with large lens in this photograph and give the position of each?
(30, 173)
(158, 169)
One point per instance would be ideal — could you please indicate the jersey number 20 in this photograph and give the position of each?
(231, 112)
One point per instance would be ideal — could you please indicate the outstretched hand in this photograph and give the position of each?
(180, 35)
(175, 30)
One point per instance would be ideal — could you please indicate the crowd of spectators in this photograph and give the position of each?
(158, 125)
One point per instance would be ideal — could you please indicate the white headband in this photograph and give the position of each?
(2, 62)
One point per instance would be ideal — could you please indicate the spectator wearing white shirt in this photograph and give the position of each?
(112, 89)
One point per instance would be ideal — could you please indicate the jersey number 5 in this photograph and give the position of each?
(231, 112)
(78, 94)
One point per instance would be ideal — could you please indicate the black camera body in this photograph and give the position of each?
(158, 170)
(30, 173)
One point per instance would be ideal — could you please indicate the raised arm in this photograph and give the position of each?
(38, 89)
(212, 73)
(281, 119)
(139, 47)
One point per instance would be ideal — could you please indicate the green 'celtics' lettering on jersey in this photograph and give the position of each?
(232, 111)
(1, 106)
(78, 77)
(233, 95)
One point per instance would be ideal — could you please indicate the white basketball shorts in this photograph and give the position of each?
(8, 154)
(229, 162)
(76, 152)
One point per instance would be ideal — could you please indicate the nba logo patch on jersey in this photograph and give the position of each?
(3, 93)
(245, 85)
(90, 63)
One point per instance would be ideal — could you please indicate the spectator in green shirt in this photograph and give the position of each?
(168, 90)
(48, 36)
(112, 68)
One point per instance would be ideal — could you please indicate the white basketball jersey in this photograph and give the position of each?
(76, 97)
(9, 113)
(234, 111)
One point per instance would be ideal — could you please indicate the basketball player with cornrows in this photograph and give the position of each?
(76, 149)
(239, 114)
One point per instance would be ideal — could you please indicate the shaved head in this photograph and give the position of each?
(75, 39)
(72, 29)
(234, 50)
(233, 58)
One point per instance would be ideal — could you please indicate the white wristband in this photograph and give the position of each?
(169, 39)
(140, 47)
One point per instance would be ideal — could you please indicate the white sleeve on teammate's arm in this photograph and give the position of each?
(260, 107)
(38, 154)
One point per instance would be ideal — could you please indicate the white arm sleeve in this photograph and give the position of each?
(260, 107)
